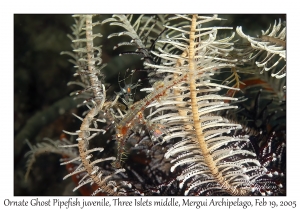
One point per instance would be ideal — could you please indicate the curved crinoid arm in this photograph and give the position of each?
(271, 45)
(105, 182)
(209, 155)
(91, 60)
(47, 146)
(142, 30)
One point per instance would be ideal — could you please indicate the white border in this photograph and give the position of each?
(153, 6)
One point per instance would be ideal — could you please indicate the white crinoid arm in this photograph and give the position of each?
(187, 108)
(273, 43)
(90, 65)
(141, 29)
(48, 146)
